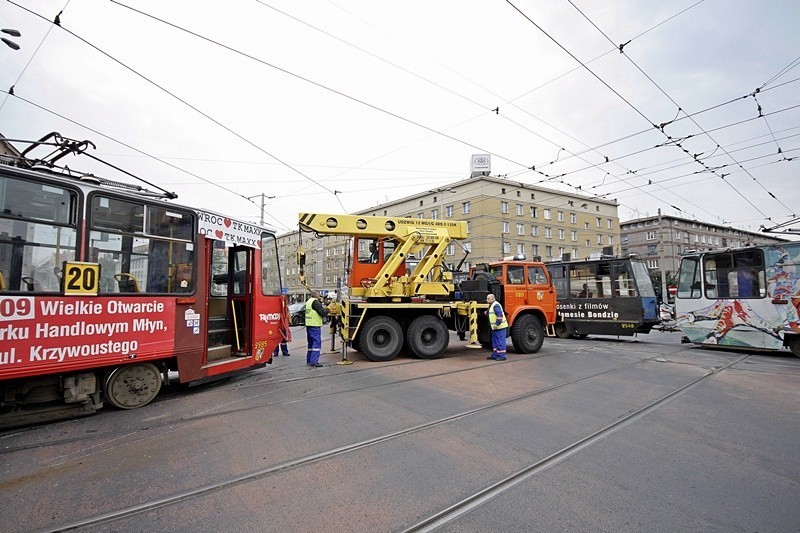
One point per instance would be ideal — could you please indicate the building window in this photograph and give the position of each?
(561, 251)
(520, 209)
(469, 226)
(420, 215)
(573, 218)
(585, 225)
(534, 231)
(561, 234)
(533, 212)
(518, 194)
(504, 207)
(449, 211)
(611, 240)
(574, 236)
(599, 239)
(505, 227)
(434, 214)
(420, 203)
(678, 235)
(652, 263)
(468, 247)
(599, 222)
(574, 253)
(465, 207)
(548, 232)
(610, 224)
(502, 190)
(520, 249)
(549, 251)
(535, 249)
(547, 214)
(451, 249)
(587, 243)
(520, 229)
(650, 236)
(560, 216)
(651, 249)
(506, 248)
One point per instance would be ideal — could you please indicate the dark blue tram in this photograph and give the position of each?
(607, 296)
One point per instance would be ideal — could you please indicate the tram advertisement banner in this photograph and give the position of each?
(222, 228)
(38, 334)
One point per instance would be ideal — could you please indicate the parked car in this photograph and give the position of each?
(297, 312)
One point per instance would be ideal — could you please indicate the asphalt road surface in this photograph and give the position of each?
(601, 434)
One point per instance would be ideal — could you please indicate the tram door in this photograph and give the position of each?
(229, 301)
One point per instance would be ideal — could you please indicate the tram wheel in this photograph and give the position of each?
(794, 345)
(427, 336)
(381, 339)
(132, 386)
(527, 334)
(561, 330)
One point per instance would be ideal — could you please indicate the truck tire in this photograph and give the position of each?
(381, 339)
(428, 336)
(527, 334)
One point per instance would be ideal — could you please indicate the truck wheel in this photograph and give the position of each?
(381, 339)
(427, 336)
(527, 334)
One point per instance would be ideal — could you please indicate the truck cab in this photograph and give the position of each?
(524, 289)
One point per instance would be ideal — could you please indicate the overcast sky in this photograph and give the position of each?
(338, 105)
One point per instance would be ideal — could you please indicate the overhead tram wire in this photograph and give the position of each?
(142, 152)
(679, 119)
(644, 150)
(215, 121)
(680, 109)
(30, 60)
(609, 87)
(316, 84)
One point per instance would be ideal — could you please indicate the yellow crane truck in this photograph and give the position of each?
(401, 294)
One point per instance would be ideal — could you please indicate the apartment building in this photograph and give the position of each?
(503, 217)
(660, 240)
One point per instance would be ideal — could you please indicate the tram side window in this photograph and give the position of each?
(38, 232)
(558, 275)
(689, 278)
(141, 247)
(270, 268)
(624, 283)
(736, 275)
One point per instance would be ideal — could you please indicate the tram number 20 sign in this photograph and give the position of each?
(80, 278)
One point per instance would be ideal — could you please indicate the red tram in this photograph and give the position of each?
(105, 288)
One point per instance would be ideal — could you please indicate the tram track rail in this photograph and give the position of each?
(448, 514)
(483, 496)
(310, 397)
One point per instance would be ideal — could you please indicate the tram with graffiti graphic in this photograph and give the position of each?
(741, 298)
(108, 291)
(606, 296)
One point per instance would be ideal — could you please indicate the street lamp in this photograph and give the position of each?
(14, 33)
(263, 196)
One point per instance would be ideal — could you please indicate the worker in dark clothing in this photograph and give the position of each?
(315, 312)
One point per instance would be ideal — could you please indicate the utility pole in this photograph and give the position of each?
(263, 196)
(661, 258)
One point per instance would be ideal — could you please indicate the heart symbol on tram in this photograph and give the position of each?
(219, 234)
(227, 223)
